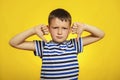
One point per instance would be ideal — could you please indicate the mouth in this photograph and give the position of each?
(59, 37)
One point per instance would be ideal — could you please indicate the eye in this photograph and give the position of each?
(54, 27)
(65, 28)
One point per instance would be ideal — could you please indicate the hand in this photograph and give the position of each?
(41, 30)
(78, 28)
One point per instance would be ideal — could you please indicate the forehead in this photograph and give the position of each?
(58, 22)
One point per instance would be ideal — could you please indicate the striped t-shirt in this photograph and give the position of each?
(59, 60)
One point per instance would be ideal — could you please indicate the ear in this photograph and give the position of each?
(70, 29)
(48, 27)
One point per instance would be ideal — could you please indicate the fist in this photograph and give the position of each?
(78, 28)
(42, 30)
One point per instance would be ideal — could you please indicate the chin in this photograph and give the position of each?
(59, 41)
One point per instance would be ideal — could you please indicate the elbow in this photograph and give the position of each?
(11, 43)
(102, 34)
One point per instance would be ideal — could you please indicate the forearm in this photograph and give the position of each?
(20, 38)
(94, 31)
(95, 35)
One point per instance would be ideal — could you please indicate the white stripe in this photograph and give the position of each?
(59, 56)
(81, 45)
(52, 46)
(42, 48)
(59, 60)
(62, 75)
(51, 72)
(61, 64)
(39, 48)
(73, 40)
(59, 47)
(53, 50)
(49, 52)
(66, 48)
(61, 67)
(62, 78)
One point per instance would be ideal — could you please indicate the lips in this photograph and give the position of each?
(59, 37)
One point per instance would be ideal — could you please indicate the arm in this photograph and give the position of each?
(95, 33)
(19, 41)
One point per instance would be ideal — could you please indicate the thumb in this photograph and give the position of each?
(43, 38)
(78, 35)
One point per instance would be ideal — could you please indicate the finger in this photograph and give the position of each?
(44, 27)
(74, 26)
(41, 36)
(74, 30)
(79, 35)
(46, 32)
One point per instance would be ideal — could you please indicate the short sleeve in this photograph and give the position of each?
(79, 45)
(38, 48)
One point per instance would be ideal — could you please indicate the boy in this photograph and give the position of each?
(59, 56)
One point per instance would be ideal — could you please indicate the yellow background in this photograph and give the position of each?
(99, 61)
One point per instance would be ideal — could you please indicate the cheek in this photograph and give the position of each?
(52, 32)
(66, 33)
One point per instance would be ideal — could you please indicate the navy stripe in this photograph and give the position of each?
(69, 42)
(59, 62)
(75, 79)
(70, 46)
(38, 49)
(59, 51)
(59, 77)
(64, 69)
(71, 50)
(59, 55)
(51, 52)
(80, 44)
(54, 49)
(40, 43)
(75, 45)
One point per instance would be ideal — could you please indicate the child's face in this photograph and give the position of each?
(59, 30)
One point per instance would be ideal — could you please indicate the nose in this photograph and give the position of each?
(59, 31)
